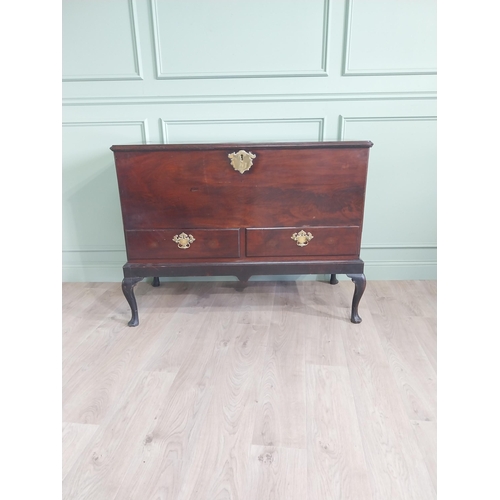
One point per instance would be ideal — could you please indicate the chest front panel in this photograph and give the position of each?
(234, 215)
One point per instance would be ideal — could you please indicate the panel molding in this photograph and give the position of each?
(319, 121)
(242, 98)
(400, 246)
(346, 119)
(138, 75)
(142, 123)
(346, 71)
(162, 75)
(95, 249)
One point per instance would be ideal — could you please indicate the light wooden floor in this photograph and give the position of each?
(265, 393)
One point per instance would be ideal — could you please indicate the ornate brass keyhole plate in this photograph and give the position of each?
(183, 240)
(242, 161)
(302, 238)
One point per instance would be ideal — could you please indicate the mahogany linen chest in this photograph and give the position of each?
(242, 210)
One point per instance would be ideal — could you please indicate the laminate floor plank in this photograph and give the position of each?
(281, 411)
(257, 308)
(277, 473)
(426, 334)
(219, 467)
(85, 313)
(428, 286)
(72, 290)
(324, 345)
(426, 433)
(100, 469)
(69, 289)
(75, 438)
(336, 465)
(424, 296)
(395, 463)
(399, 298)
(414, 374)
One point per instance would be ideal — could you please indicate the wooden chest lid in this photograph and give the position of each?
(212, 146)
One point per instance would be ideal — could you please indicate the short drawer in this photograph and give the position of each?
(300, 241)
(183, 243)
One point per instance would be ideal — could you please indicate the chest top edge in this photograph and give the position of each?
(260, 145)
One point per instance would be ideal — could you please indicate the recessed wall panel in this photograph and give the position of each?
(237, 38)
(100, 40)
(209, 131)
(390, 37)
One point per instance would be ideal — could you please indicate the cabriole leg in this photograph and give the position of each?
(333, 279)
(156, 281)
(359, 288)
(128, 285)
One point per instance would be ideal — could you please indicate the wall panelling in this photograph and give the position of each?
(166, 71)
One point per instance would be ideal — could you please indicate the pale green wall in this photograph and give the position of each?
(175, 71)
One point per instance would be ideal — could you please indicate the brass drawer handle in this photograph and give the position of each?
(242, 161)
(183, 240)
(302, 238)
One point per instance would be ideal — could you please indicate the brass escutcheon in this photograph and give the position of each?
(242, 161)
(302, 238)
(183, 240)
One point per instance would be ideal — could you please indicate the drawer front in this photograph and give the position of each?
(181, 243)
(303, 241)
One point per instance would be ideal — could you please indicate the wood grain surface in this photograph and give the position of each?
(266, 390)
(323, 186)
